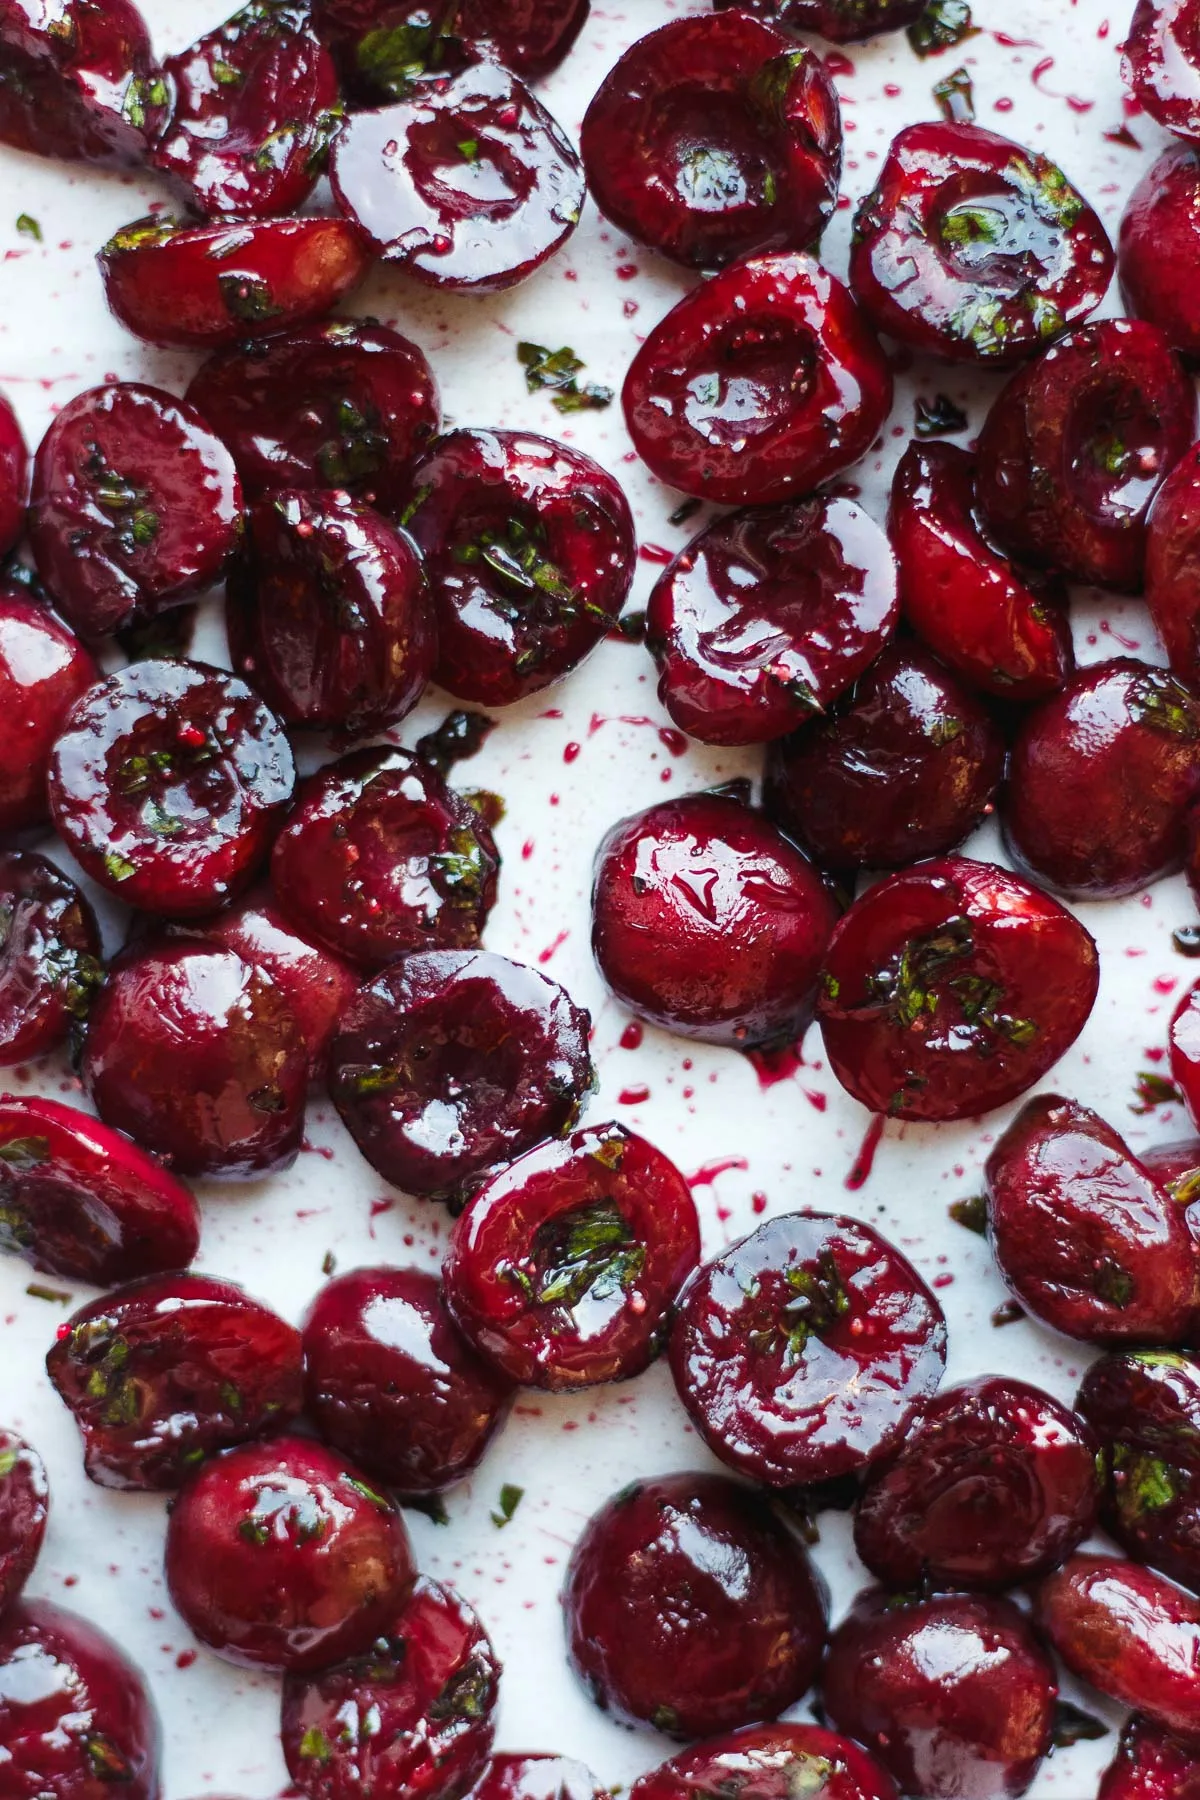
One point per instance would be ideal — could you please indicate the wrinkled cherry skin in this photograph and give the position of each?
(1159, 244)
(198, 1056)
(564, 1268)
(1161, 63)
(539, 1775)
(345, 404)
(768, 615)
(1076, 447)
(769, 1762)
(79, 1200)
(1173, 566)
(713, 138)
(690, 1606)
(997, 1483)
(759, 385)
(255, 104)
(1184, 1045)
(14, 477)
(79, 81)
(1150, 1765)
(381, 858)
(974, 249)
(981, 1730)
(162, 1373)
(981, 615)
(479, 219)
(414, 1717)
(205, 286)
(844, 21)
(530, 37)
(530, 550)
(454, 1061)
(708, 922)
(24, 1505)
(806, 1351)
(904, 767)
(1084, 1236)
(76, 1718)
(952, 987)
(49, 956)
(1100, 779)
(168, 783)
(136, 506)
(43, 671)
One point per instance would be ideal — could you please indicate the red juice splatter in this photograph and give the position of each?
(709, 1172)
(185, 1659)
(627, 271)
(816, 1098)
(758, 1202)
(632, 1035)
(837, 64)
(654, 553)
(633, 1096)
(545, 955)
(378, 1207)
(674, 740)
(570, 753)
(864, 1162)
(772, 1066)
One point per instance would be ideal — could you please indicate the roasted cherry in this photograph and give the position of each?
(43, 671)
(904, 767)
(14, 475)
(708, 922)
(202, 286)
(954, 1694)
(198, 1056)
(79, 80)
(136, 505)
(79, 1200)
(1150, 1765)
(951, 988)
(985, 618)
(539, 1775)
(383, 43)
(381, 858)
(769, 1762)
(1077, 445)
(1161, 63)
(530, 549)
(49, 956)
(1159, 244)
(758, 385)
(690, 1606)
(768, 615)
(467, 183)
(563, 1269)
(806, 1351)
(162, 1373)
(844, 21)
(1173, 566)
(282, 1555)
(24, 1504)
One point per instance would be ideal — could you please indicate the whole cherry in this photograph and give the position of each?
(382, 43)
(43, 671)
(845, 21)
(1161, 63)
(1159, 243)
(80, 81)
(1150, 1764)
(774, 1762)
(50, 964)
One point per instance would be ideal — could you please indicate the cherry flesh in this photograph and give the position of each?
(43, 671)
(49, 956)
(79, 81)
(691, 1607)
(381, 44)
(537, 1775)
(14, 477)
(530, 550)
(767, 616)
(759, 385)
(1161, 63)
(1150, 1765)
(769, 1762)
(1159, 243)
(24, 1505)
(952, 987)
(281, 1555)
(1173, 566)
(843, 21)
(564, 1268)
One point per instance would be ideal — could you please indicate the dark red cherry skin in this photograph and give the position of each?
(1173, 566)
(343, 404)
(530, 549)
(1158, 246)
(453, 1061)
(1150, 1765)
(1002, 630)
(689, 1606)
(467, 183)
(168, 783)
(281, 1555)
(997, 1483)
(1161, 63)
(205, 286)
(768, 615)
(952, 987)
(24, 1505)
(79, 81)
(537, 1775)
(379, 41)
(43, 671)
(904, 767)
(1076, 447)
(50, 953)
(136, 505)
(1184, 1045)
(769, 1762)
(806, 1351)
(1100, 779)
(759, 385)
(14, 477)
(255, 106)
(381, 858)
(1084, 1236)
(709, 922)
(415, 1716)
(714, 138)
(844, 21)
(198, 1056)
(78, 1199)
(982, 1730)
(76, 1718)
(563, 1269)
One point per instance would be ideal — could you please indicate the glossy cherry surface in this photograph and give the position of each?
(1161, 63)
(1150, 1765)
(689, 1606)
(49, 956)
(1173, 566)
(381, 43)
(537, 1775)
(844, 21)
(43, 671)
(1159, 243)
(79, 80)
(14, 477)
(24, 1505)
(770, 1762)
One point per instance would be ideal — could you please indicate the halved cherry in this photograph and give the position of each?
(50, 953)
(24, 1505)
(1173, 566)
(80, 1200)
(162, 1373)
(540, 1775)
(530, 549)
(806, 1351)
(43, 671)
(255, 107)
(1004, 631)
(769, 1762)
(202, 286)
(467, 182)
(1159, 244)
(563, 1269)
(1150, 1764)
(79, 80)
(14, 477)
(1161, 63)
(844, 21)
(383, 44)
(768, 615)
(951, 988)
(136, 505)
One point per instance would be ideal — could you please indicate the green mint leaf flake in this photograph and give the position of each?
(510, 1498)
(25, 1152)
(28, 226)
(970, 1213)
(943, 24)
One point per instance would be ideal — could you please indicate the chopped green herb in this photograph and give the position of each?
(275, 149)
(369, 1493)
(970, 1213)
(224, 73)
(358, 453)
(328, 1263)
(467, 1694)
(142, 93)
(28, 226)
(587, 1253)
(955, 96)
(939, 417)
(25, 1152)
(1147, 1484)
(247, 298)
(1008, 1314)
(118, 867)
(944, 730)
(105, 1760)
(1113, 1284)
(432, 1505)
(1187, 940)
(558, 370)
(459, 736)
(1074, 1726)
(468, 149)
(809, 1775)
(1153, 1090)
(510, 1498)
(942, 24)
(36, 1291)
(315, 1746)
(1157, 699)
